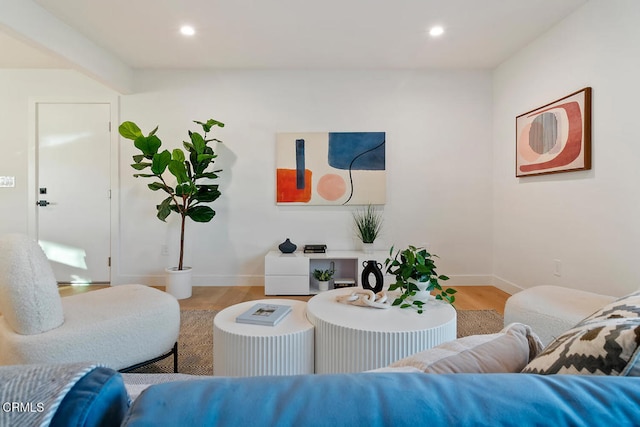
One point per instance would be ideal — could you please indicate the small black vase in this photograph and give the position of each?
(372, 267)
(287, 247)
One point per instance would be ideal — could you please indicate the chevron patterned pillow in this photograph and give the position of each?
(605, 343)
(627, 306)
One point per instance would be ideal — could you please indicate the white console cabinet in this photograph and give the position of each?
(291, 274)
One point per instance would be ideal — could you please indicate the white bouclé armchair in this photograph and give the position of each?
(121, 326)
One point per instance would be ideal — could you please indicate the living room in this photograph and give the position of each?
(450, 157)
(450, 133)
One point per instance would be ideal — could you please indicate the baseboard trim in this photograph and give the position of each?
(206, 280)
(505, 285)
(196, 280)
(469, 280)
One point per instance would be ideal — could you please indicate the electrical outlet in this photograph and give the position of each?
(164, 250)
(557, 267)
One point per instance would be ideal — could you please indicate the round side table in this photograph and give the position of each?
(353, 339)
(242, 350)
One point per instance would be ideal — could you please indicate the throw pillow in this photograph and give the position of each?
(605, 343)
(628, 306)
(506, 351)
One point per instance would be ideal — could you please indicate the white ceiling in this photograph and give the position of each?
(300, 33)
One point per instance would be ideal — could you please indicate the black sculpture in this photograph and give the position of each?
(372, 267)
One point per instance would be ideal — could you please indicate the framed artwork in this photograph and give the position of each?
(555, 137)
(331, 168)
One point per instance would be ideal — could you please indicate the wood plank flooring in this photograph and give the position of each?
(219, 297)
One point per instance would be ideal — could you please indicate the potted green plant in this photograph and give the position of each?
(192, 189)
(323, 277)
(368, 223)
(415, 273)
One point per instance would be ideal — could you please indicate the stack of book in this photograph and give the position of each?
(343, 283)
(315, 249)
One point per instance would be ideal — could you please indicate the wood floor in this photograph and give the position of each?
(219, 297)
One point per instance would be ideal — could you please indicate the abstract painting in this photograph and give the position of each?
(555, 137)
(331, 168)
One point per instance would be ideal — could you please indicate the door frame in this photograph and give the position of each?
(114, 168)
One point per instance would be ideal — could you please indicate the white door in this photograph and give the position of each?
(73, 208)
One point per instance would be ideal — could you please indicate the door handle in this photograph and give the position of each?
(42, 203)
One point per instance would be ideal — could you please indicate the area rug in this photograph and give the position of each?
(474, 322)
(195, 346)
(195, 343)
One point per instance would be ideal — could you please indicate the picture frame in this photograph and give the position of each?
(556, 137)
(330, 168)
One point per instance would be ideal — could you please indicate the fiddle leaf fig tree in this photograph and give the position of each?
(190, 171)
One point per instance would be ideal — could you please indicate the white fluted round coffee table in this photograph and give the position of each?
(242, 350)
(353, 339)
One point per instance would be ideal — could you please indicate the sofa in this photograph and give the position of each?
(588, 376)
(99, 398)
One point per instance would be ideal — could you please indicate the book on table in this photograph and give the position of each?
(343, 283)
(264, 314)
(317, 249)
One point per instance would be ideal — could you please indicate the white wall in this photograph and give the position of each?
(438, 127)
(589, 220)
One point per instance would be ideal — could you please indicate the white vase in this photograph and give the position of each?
(422, 294)
(179, 282)
(367, 248)
(323, 285)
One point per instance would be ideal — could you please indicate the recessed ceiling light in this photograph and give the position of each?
(187, 30)
(436, 31)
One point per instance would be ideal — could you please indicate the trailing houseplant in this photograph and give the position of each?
(368, 223)
(188, 168)
(414, 268)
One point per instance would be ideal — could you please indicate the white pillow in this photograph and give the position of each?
(29, 298)
(506, 351)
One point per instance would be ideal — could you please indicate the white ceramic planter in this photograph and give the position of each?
(179, 282)
(323, 285)
(367, 248)
(421, 294)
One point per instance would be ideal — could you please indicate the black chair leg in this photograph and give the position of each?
(175, 358)
(173, 351)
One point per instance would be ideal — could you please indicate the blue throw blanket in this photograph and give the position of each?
(31, 394)
(63, 395)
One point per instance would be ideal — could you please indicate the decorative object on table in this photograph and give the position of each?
(315, 249)
(368, 223)
(365, 298)
(372, 267)
(410, 267)
(555, 137)
(348, 168)
(264, 314)
(287, 247)
(339, 283)
(323, 277)
(188, 196)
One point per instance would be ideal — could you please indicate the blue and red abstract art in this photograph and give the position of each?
(331, 168)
